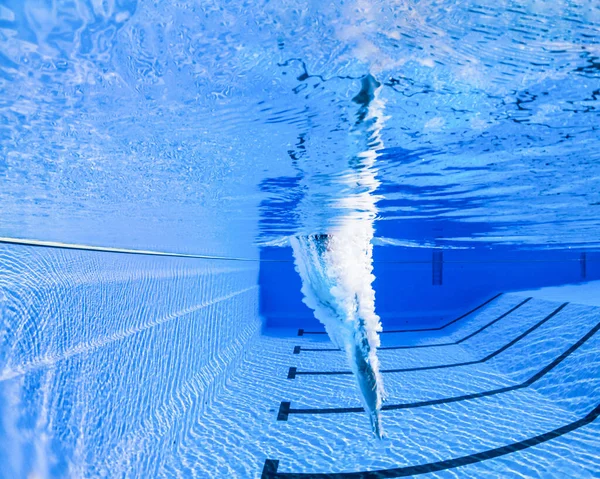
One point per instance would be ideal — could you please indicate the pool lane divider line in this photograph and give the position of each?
(293, 372)
(298, 349)
(302, 332)
(108, 249)
(271, 465)
(285, 408)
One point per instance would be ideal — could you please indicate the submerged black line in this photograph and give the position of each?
(440, 366)
(297, 349)
(108, 249)
(285, 411)
(271, 466)
(302, 332)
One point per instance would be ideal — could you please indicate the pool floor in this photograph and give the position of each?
(516, 397)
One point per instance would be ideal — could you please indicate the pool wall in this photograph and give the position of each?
(427, 286)
(103, 353)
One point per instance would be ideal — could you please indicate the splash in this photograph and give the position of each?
(336, 267)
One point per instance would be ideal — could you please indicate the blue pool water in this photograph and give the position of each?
(243, 239)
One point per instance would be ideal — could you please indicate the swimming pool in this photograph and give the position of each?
(187, 186)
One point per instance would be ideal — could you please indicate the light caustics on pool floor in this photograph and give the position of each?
(535, 402)
(504, 389)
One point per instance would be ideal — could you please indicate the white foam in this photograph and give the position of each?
(337, 278)
(336, 269)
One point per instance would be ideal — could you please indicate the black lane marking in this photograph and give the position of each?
(440, 366)
(297, 349)
(284, 412)
(302, 332)
(271, 466)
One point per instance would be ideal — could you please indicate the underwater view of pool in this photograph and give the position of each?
(258, 239)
